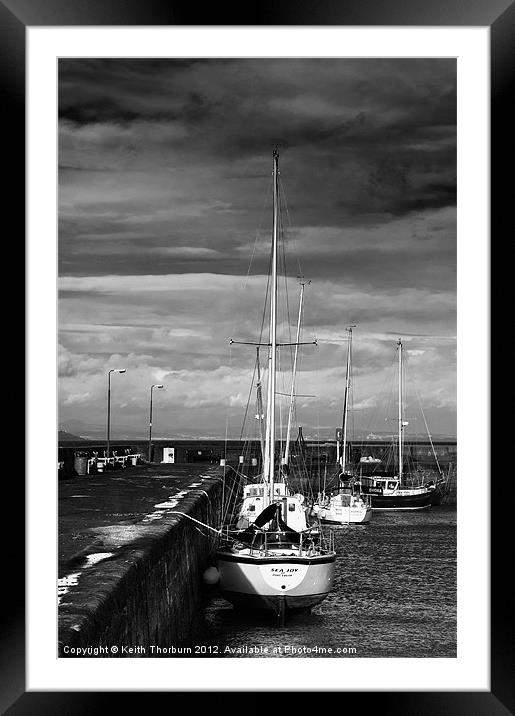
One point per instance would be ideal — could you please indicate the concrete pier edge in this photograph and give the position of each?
(149, 593)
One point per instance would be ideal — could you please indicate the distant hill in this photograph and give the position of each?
(62, 435)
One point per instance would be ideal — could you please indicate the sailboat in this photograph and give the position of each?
(391, 492)
(348, 505)
(272, 564)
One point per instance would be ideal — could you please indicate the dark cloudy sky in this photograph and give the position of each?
(164, 199)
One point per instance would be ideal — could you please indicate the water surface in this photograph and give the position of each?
(394, 596)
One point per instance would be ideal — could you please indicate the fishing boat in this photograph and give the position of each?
(394, 491)
(348, 505)
(277, 562)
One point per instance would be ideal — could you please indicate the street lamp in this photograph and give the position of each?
(113, 370)
(150, 423)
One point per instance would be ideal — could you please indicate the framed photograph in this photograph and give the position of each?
(381, 119)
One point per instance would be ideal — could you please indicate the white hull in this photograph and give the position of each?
(401, 509)
(346, 515)
(258, 581)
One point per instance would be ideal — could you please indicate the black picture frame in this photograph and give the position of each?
(499, 16)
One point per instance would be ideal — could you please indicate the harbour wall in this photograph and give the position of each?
(149, 593)
(211, 451)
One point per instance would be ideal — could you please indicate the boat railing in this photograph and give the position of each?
(310, 541)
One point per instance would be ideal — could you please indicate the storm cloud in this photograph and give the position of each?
(164, 229)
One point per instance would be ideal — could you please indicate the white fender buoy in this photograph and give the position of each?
(211, 575)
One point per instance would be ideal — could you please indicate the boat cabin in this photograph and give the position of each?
(293, 508)
(390, 486)
(380, 485)
(258, 491)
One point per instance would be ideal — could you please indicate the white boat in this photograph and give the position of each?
(271, 566)
(344, 508)
(348, 505)
(276, 562)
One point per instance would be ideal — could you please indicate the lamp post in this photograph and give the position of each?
(113, 370)
(150, 423)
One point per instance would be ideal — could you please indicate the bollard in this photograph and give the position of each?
(80, 463)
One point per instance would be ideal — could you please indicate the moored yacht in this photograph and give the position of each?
(348, 505)
(344, 508)
(395, 492)
(276, 562)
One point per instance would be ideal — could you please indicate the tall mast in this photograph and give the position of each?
(346, 398)
(270, 423)
(399, 343)
(294, 373)
(260, 406)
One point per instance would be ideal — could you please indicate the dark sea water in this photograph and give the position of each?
(394, 596)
